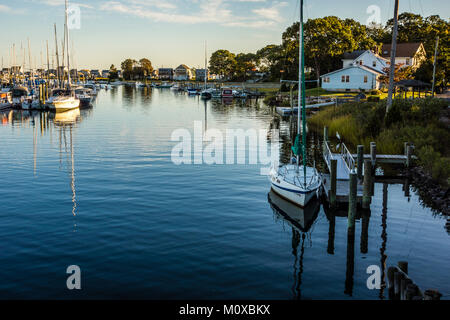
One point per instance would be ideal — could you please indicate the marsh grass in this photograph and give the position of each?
(415, 121)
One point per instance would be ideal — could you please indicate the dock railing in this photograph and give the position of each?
(348, 158)
(327, 154)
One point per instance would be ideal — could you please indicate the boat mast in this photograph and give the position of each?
(67, 49)
(31, 68)
(57, 59)
(206, 70)
(301, 93)
(48, 66)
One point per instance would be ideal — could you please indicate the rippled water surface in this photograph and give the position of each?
(99, 190)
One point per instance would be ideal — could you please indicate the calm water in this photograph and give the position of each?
(103, 193)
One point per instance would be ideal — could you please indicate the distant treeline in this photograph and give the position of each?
(327, 39)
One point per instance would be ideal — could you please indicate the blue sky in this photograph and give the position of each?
(172, 32)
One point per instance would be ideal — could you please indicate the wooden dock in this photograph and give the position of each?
(342, 166)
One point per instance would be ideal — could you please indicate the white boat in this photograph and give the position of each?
(63, 100)
(31, 102)
(192, 91)
(288, 182)
(85, 96)
(92, 87)
(5, 99)
(297, 182)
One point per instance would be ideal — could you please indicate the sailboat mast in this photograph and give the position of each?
(48, 66)
(57, 58)
(29, 58)
(67, 49)
(206, 70)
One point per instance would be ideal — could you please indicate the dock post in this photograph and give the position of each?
(360, 161)
(325, 134)
(352, 199)
(367, 184)
(408, 155)
(333, 177)
(403, 265)
(405, 147)
(373, 153)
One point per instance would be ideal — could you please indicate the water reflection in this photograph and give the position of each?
(300, 220)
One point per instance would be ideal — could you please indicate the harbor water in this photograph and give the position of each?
(99, 189)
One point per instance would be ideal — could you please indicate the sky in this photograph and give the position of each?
(171, 32)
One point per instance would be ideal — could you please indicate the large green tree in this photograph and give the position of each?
(245, 63)
(223, 63)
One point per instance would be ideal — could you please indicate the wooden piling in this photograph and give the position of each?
(333, 177)
(373, 153)
(408, 156)
(405, 147)
(367, 184)
(325, 134)
(352, 199)
(360, 161)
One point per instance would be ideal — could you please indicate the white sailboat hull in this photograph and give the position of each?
(64, 104)
(285, 184)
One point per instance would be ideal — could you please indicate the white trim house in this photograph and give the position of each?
(360, 71)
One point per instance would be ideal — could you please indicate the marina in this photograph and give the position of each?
(228, 150)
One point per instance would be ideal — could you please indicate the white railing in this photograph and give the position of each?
(348, 158)
(327, 155)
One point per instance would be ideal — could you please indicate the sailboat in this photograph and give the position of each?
(206, 93)
(297, 182)
(65, 99)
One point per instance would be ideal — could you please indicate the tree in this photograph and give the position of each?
(245, 63)
(223, 63)
(146, 66)
(269, 60)
(127, 68)
(113, 73)
(400, 73)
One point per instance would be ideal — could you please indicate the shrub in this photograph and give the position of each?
(373, 99)
(375, 92)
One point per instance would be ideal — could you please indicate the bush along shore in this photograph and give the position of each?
(424, 123)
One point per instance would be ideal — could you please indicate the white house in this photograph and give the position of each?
(182, 72)
(360, 71)
(407, 54)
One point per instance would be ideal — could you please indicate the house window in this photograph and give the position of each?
(343, 78)
(347, 78)
(365, 79)
(374, 64)
(407, 61)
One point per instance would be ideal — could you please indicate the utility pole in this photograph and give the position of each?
(434, 65)
(393, 53)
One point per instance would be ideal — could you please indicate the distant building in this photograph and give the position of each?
(165, 73)
(182, 72)
(95, 73)
(105, 73)
(407, 54)
(200, 74)
(86, 73)
(360, 71)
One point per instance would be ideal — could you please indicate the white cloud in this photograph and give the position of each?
(199, 11)
(4, 8)
(271, 13)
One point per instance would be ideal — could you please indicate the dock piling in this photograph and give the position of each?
(360, 160)
(373, 153)
(408, 156)
(352, 199)
(333, 177)
(325, 134)
(367, 184)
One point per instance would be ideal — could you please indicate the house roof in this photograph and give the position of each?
(353, 55)
(403, 49)
(365, 68)
(183, 66)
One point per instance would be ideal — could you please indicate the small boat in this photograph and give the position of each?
(5, 99)
(216, 94)
(227, 93)
(164, 85)
(85, 96)
(31, 102)
(63, 100)
(92, 87)
(192, 91)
